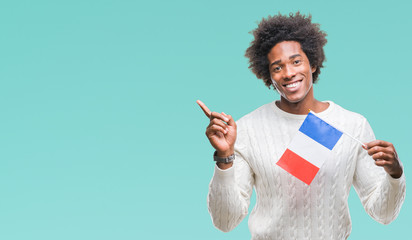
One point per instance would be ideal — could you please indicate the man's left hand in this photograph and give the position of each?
(385, 156)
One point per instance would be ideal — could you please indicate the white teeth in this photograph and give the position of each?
(292, 85)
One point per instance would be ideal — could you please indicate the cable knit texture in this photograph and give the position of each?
(287, 208)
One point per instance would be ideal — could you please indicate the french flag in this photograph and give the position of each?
(310, 148)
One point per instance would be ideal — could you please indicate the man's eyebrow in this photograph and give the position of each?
(295, 55)
(291, 57)
(275, 62)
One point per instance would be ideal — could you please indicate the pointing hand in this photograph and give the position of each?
(221, 131)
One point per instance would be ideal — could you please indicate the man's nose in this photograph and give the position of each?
(289, 72)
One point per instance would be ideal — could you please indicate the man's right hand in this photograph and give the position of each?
(221, 133)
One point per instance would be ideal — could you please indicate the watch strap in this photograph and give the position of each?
(227, 159)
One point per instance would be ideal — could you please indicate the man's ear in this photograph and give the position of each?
(313, 69)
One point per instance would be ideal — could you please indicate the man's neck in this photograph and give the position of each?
(302, 107)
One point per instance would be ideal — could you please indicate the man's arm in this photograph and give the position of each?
(229, 194)
(379, 179)
(232, 183)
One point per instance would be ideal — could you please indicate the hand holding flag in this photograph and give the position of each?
(385, 156)
(313, 144)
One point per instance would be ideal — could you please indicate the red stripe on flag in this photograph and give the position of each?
(298, 166)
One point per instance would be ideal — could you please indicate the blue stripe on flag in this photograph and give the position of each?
(320, 131)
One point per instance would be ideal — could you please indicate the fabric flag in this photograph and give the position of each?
(310, 148)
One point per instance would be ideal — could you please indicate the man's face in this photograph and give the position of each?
(290, 71)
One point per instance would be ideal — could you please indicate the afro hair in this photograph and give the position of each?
(279, 28)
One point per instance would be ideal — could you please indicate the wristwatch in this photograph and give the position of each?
(228, 159)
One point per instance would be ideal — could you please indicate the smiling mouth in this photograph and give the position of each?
(292, 85)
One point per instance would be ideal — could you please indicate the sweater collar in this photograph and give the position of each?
(299, 116)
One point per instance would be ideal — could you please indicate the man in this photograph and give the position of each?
(287, 53)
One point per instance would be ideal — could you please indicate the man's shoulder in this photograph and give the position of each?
(339, 110)
(346, 117)
(259, 113)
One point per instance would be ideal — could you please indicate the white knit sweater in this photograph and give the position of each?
(287, 208)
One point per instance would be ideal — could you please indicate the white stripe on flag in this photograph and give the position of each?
(309, 149)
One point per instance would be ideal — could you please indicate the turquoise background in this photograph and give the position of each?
(100, 135)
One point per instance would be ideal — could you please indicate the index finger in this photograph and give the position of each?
(378, 143)
(204, 108)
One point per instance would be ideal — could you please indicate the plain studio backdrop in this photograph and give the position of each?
(100, 135)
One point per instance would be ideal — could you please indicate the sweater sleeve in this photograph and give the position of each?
(230, 191)
(381, 195)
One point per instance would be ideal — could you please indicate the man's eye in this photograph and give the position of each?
(297, 61)
(277, 69)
